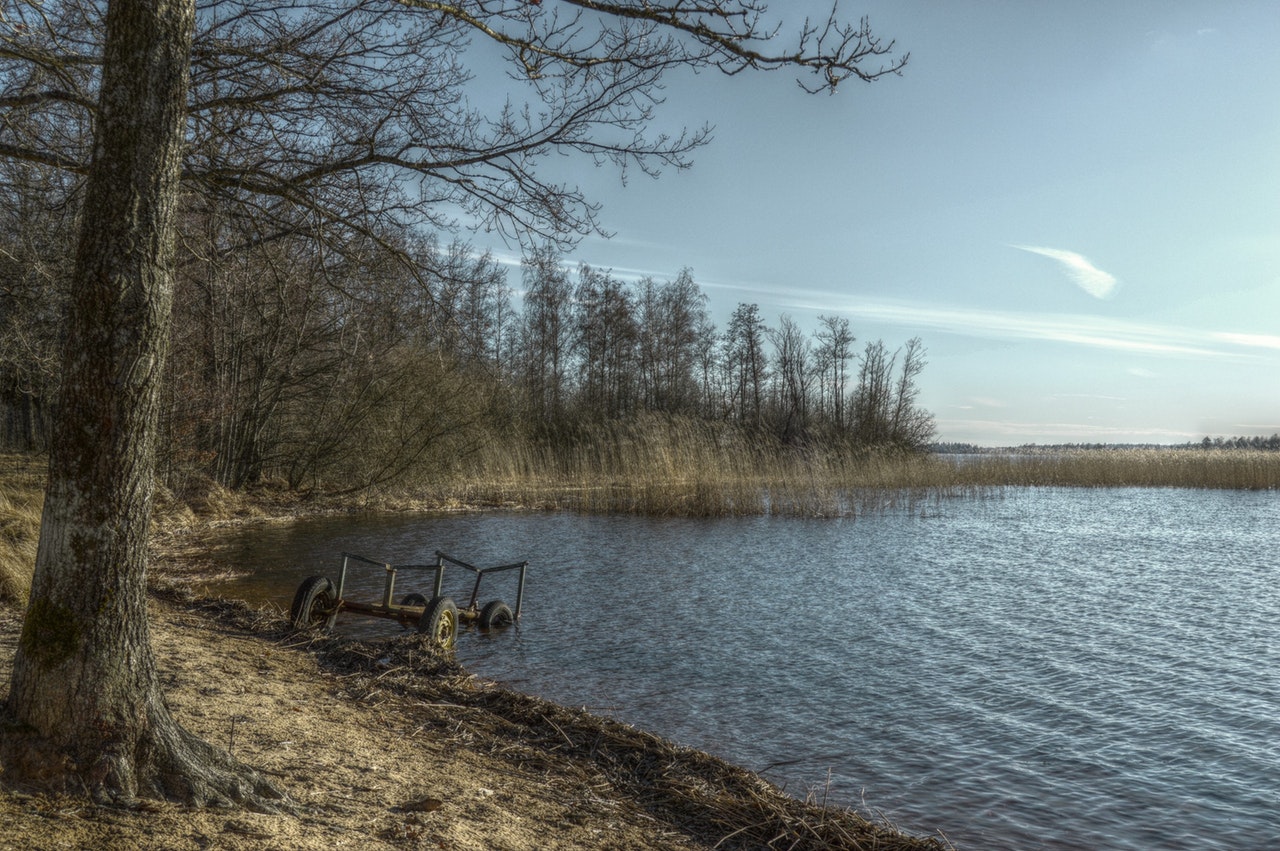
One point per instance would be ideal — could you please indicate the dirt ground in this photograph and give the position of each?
(391, 745)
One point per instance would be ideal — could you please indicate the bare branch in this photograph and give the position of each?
(381, 109)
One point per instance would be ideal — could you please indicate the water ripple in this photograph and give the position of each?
(1056, 669)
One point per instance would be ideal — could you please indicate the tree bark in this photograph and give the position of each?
(85, 708)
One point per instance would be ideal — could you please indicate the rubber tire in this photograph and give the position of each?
(413, 598)
(495, 614)
(315, 604)
(440, 621)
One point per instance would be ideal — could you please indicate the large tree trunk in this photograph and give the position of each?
(84, 692)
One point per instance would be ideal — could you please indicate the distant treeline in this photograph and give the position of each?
(372, 360)
(1270, 444)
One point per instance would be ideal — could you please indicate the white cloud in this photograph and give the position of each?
(1009, 433)
(1088, 277)
(1097, 332)
(1258, 341)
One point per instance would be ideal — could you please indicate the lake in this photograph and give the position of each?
(1041, 669)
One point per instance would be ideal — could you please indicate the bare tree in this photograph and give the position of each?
(872, 401)
(35, 270)
(546, 332)
(605, 343)
(835, 350)
(793, 375)
(357, 115)
(746, 363)
(712, 400)
(671, 315)
(884, 406)
(349, 119)
(911, 426)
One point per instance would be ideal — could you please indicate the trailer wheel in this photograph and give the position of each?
(413, 598)
(315, 604)
(496, 613)
(440, 621)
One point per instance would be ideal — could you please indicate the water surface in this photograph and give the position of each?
(1049, 669)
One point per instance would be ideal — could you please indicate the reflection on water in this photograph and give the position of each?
(1056, 669)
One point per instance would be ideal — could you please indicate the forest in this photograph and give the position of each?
(331, 330)
(348, 369)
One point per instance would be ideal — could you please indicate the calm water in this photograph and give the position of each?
(1065, 669)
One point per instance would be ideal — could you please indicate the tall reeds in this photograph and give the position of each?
(1225, 469)
(671, 467)
(662, 466)
(665, 466)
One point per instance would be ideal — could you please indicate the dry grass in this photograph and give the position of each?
(718, 803)
(1222, 469)
(659, 467)
(683, 468)
(21, 500)
(390, 745)
(663, 467)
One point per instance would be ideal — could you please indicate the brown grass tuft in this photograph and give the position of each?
(21, 500)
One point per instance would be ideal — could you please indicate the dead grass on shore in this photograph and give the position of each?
(723, 804)
(388, 745)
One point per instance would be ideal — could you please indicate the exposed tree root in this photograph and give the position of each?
(164, 763)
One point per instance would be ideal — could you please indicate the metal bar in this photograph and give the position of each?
(474, 569)
(391, 584)
(342, 575)
(503, 567)
(395, 613)
(388, 610)
(520, 591)
(443, 557)
(361, 558)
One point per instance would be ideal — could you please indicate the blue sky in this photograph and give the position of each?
(1075, 205)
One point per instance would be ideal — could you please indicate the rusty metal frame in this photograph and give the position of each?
(406, 614)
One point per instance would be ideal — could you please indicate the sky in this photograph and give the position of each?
(1076, 206)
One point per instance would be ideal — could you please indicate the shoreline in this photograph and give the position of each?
(390, 744)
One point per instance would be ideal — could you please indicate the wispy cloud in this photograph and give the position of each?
(1005, 432)
(1073, 329)
(1088, 277)
(1098, 332)
(1257, 341)
(629, 274)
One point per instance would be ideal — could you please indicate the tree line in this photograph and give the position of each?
(321, 334)
(232, 181)
(346, 370)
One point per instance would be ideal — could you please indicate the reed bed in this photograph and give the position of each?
(672, 468)
(669, 467)
(1221, 469)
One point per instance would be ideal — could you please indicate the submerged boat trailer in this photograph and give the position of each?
(318, 601)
